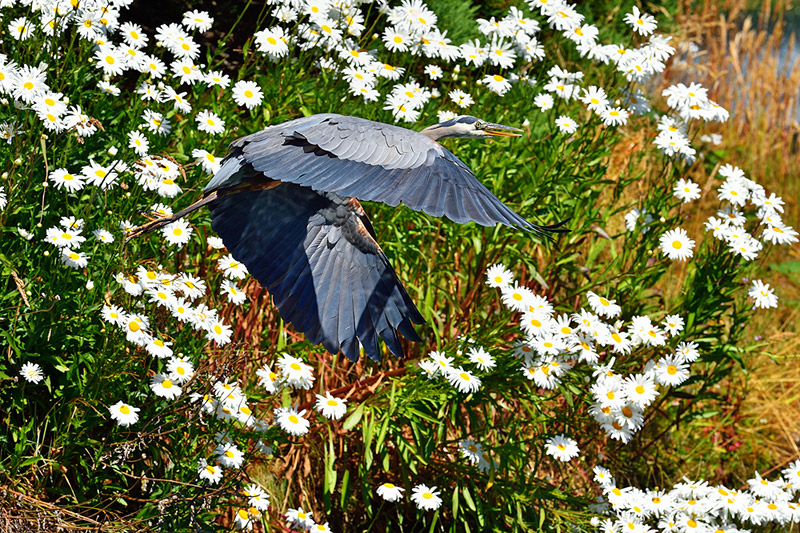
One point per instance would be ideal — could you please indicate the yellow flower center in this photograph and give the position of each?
(124, 410)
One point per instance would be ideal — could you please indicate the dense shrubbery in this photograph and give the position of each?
(152, 381)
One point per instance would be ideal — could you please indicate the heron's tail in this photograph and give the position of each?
(548, 232)
(555, 228)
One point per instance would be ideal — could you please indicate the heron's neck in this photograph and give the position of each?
(433, 133)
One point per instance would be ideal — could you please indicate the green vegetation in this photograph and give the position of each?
(101, 318)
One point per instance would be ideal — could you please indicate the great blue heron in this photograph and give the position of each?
(286, 204)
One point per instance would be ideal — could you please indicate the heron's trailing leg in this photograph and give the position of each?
(163, 221)
(213, 197)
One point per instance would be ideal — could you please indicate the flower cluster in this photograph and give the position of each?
(730, 223)
(553, 344)
(440, 365)
(67, 238)
(697, 506)
(175, 294)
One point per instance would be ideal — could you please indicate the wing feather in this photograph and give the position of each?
(370, 161)
(326, 274)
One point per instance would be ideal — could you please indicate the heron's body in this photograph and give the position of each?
(286, 204)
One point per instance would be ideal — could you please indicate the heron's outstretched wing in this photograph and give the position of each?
(372, 162)
(325, 272)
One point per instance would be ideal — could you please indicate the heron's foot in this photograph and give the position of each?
(157, 220)
(152, 215)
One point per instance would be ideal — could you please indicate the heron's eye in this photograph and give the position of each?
(480, 125)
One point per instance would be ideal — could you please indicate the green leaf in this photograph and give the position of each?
(468, 498)
(354, 418)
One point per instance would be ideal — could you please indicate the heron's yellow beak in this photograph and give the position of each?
(498, 130)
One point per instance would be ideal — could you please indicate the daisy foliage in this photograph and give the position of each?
(154, 378)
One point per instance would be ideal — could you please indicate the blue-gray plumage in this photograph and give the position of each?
(286, 204)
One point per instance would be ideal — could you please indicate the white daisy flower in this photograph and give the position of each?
(32, 372)
(210, 473)
(247, 93)
(499, 276)
(763, 295)
(463, 380)
(426, 498)
(291, 421)
(390, 492)
(209, 122)
(561, 447)
(331, 407)
(676, 244)
(124, 414)
(163, 386)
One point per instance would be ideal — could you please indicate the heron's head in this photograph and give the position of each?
(469, 127)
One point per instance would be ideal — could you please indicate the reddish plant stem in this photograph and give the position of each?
(358, 385)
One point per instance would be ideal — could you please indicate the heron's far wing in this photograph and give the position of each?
(325, 272)
(372, 162)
